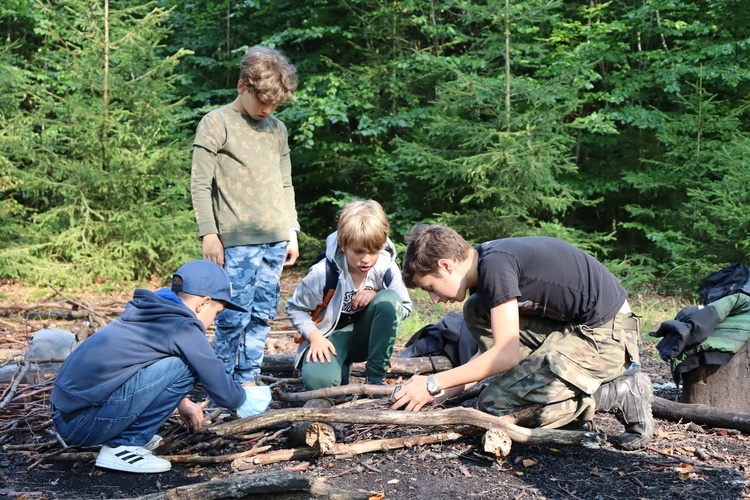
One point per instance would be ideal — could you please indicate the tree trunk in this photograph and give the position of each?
(723, 386)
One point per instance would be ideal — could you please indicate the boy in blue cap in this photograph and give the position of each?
(120, 385)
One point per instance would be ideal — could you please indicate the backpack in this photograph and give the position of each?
(332, 280)
(449, 337)
(734, 278)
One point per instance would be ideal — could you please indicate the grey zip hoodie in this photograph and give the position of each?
(309, 293)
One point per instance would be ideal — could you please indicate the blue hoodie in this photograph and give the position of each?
(154, 326)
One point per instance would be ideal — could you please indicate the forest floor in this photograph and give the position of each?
(683, 460)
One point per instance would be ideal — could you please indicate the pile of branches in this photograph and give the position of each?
(360, 423)
(284, 434)
(339, 422)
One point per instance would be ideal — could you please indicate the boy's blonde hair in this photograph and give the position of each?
(363, 225)
(425, 246)
(268, 75)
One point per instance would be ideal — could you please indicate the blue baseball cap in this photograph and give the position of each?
(205, 279)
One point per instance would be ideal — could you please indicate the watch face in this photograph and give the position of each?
(432, 386)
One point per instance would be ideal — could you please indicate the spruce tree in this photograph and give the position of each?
(96, 157)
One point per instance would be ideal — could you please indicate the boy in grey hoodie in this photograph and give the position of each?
(358, 319)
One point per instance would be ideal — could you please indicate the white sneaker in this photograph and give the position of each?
(131, 459)
(153, 443)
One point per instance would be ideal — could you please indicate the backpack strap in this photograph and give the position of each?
(387, 278)
(332, 280)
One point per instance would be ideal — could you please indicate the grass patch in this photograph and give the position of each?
(424, 312)
(653, 309)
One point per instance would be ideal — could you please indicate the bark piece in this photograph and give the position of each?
(497, 443)
(314, 434)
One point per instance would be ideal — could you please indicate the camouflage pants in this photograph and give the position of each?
(561, 365)
(240, 340)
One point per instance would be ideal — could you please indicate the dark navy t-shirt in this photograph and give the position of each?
(550, 278)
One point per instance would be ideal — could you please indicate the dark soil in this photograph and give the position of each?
(682, 461)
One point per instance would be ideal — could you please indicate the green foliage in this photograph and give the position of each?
(619, 126)
(94, 159)
(699, 184)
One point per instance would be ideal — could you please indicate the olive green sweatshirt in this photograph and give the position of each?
(241, 180)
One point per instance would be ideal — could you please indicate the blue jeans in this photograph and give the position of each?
(240, 340)
(134, 412)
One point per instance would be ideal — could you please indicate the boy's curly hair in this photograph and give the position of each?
(425, 246)
(268, 75)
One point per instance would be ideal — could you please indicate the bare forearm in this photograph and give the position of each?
(485, 365)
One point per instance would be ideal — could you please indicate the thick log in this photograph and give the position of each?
(717, 386)
(284, 363)
(452, 416)
(314, 434)
(700, 414)
(330, 392)
(261, 485)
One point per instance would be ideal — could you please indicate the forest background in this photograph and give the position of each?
(621, 127)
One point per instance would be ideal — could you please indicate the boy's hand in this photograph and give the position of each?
(413, 395)
(362, 299)
(320, 349)
(213, 250)
(292, 249)
(191, 414)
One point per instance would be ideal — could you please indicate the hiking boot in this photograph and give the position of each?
(629, 398)
(131, 459)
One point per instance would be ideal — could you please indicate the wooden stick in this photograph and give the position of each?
(700, 414)
(201, 459)
(68, 299)
(18, 377)
(348, 449)
(452, 416)
(341, 390)
(284, 363)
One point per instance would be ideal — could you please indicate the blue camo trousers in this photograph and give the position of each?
(240, 340)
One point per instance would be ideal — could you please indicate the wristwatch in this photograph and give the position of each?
(432, 386)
